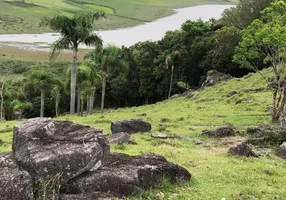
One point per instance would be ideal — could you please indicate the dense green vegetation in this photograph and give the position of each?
(215, 174)
(24, 16)
(249, 38)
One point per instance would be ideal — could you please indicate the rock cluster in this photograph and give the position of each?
(63, 160)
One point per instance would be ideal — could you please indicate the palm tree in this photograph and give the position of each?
(56, 93)
(107, 60)
(170, 64)
(41, 80)
(74, 31)
(2, 100)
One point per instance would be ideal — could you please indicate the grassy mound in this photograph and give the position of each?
(24, 16)
(241, 103)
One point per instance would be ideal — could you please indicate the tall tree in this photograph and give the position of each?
(2, 100)
(244, 13)
(107, 60)
(41, 80)
(74, 31)
(266, 39)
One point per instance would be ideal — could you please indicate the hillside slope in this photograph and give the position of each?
(216, 174)
(24, 16)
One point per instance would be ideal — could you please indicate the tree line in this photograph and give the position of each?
(146, 72)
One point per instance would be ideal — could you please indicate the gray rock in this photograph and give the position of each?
(242, 150)
(230, 94)
(248, 99)
(14, 183)
(130, 126)
(224, 131)
(215, 77)
(281, 152)
(159, 135)
(7, 161)
(56, 150)
(88, 196)
(120, 138)
(123, 175)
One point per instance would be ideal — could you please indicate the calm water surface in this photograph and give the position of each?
(128, 36)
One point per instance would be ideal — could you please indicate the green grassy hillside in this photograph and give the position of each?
(24, 17)
(216, 174)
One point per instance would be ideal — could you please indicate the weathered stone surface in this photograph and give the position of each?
(120, 138)
(14, 184)
(224, 131)
(47, 149)
(88, 196)
(7, 161)
(281, 152)
(159, 135)
(242, 150)
(130, 126)
(214, 78)
(123, 175)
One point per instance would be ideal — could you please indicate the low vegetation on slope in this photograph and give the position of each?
(241, 103)
(24, 16)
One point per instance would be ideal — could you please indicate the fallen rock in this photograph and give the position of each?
(248, 99)
(88, 196)
(61, 150)
(215, 77)
(242, 150)
(224, 131)
(230, 94)
(130, 126)
(159, 135)
(254, 90)
(120, 138)
(281, 152)
(123, 175)
(14, 183)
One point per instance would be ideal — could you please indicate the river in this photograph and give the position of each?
(127, 36)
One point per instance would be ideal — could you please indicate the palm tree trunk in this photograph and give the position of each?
(81, 107)
(171, 82)
(42, 102)
(73, 82)
(2, 102)
(87, 104)
(103, 91)
(57, 106)
(91, 101)
(78, 100)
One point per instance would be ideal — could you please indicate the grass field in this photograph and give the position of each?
(19, 17)
(215, 174)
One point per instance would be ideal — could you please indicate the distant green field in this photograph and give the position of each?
(24, 17)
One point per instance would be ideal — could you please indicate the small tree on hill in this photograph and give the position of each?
(266, 38)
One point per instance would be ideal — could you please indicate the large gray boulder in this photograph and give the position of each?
(56, 151)
(123, 175)
(130, 126)
(14, 183)
(214, 77)
(88, 196)
(223, 131)
(119, 138)
(281, 152)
